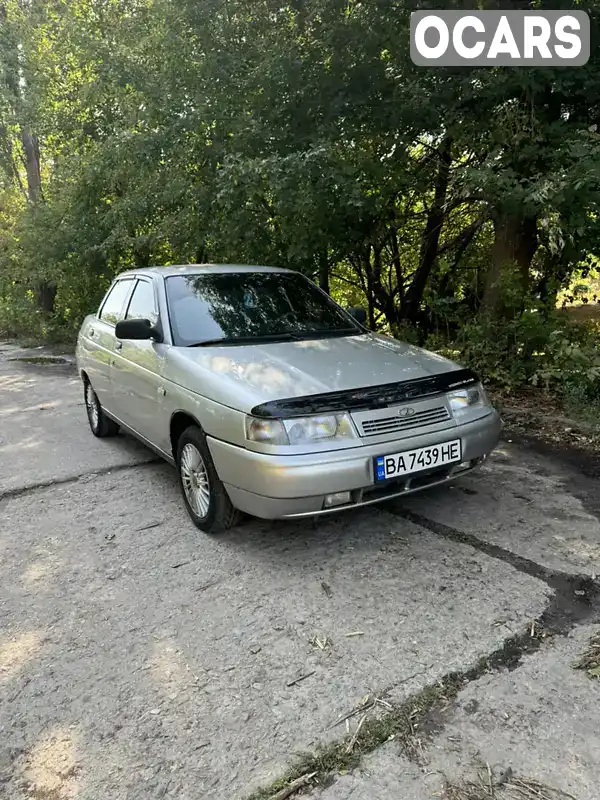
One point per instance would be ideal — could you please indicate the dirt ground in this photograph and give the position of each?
(141, 659)
(583, 312)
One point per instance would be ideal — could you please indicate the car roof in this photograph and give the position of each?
(197, 269)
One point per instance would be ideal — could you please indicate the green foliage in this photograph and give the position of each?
(570, 364)
(299, 134)
(20, 318)
(498, 350)
(533, 349)
(18, 315)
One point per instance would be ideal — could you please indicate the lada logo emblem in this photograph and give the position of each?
(406, 411)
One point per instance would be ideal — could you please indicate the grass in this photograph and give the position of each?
(410, 724)
(590, 660)
(506, 786)
(584, 411)
(406, 724)
(40, 360)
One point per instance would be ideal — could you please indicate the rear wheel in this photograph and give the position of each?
(204, 495)
(101, 425)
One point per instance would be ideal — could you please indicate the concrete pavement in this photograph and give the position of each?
(142, 659)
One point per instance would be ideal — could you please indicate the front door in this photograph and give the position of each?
(138, 369)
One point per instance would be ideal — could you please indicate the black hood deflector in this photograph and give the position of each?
(366, 398)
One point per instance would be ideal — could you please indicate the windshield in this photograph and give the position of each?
(251, 305)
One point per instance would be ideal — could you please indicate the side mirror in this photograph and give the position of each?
(359, 314)
(137, 329)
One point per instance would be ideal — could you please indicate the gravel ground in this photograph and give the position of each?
(140, 659)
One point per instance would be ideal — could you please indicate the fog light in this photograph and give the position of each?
(337, 499)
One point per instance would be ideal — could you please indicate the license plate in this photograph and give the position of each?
(410, 461)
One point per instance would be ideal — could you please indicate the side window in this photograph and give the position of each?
(113, 305)
(142, 304)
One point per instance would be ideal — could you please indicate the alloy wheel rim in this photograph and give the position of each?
(194, 477)
(91, 402)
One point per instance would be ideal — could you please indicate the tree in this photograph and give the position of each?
(298, 134)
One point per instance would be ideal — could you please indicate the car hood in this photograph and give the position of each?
(244, 376)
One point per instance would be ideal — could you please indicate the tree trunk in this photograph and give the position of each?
(397, 264)
(44, 291)
(431, 235)
(31, 150)
(554, 275)
(141, 253)
(383, 298)
(45, 294)
(515, 243)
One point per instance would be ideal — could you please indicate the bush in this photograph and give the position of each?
(570, 364)
(504, 353)
(19, 316)
(532, 349)
(77, 295)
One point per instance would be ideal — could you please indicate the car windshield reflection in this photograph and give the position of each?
(247, 308)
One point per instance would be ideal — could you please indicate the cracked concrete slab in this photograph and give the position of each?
(527, 504)
(155, 645)
(540, 721)
(44, 434)
(141, 659)
(385, 774)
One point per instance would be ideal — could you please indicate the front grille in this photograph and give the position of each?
(395, 423)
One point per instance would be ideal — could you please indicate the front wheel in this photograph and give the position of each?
(100, 424)
(204, 495)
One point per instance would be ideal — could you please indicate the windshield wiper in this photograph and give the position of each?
(324, 332)
(284, 336)
(271, 337)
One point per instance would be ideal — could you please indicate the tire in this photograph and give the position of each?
(204, 495)
(100, 425)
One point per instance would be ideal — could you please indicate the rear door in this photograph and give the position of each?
(99, 339)
(138, 369)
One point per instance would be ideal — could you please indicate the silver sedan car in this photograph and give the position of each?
(271, 399)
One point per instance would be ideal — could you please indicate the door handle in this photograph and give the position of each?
(119, 346)
(91, 331)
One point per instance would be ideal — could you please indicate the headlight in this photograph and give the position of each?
(269, 431)
(300, 430)
(463, 401)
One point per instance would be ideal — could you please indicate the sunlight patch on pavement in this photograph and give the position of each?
(36, 575)
(52, 768)
(17, 652)
(170, 669)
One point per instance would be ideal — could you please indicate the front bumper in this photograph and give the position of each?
(277, 487)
